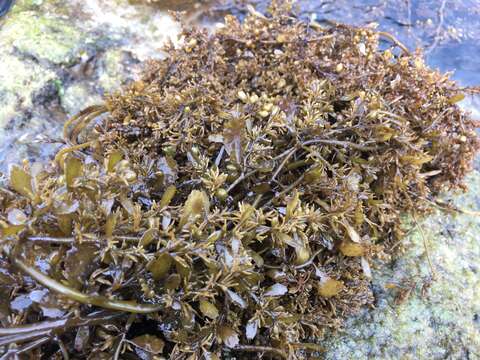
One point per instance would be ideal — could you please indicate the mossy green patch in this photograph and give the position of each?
(38, 5)
(42, 37)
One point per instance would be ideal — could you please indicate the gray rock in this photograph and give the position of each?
(58, 57)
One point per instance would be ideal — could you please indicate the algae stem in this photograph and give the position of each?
(127, 306)
(425, 245)
(53, 240)
(81, 114)
(98, 317)
(45, 329)
(340, 143)
(14, 352)
(394, 40)
(61, 153)
(83, 123)
(240, 179)
(261, 349)
(21, 337)
(287, 153)
(283, 163)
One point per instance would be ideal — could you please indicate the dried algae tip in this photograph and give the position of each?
(234, 195)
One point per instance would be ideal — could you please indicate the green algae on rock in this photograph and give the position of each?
(43, 38)
(237, 192)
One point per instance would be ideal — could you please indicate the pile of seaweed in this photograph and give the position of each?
(230, 201)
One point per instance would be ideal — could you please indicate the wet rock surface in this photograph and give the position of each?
(60, 56)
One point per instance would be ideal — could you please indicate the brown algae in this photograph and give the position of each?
(230, 200)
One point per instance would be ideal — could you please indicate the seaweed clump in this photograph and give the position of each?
(231, 199)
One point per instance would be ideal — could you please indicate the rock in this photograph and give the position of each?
(61, 56)
(19, 81)
(75, 91)
(45, 38)
(22, 83)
